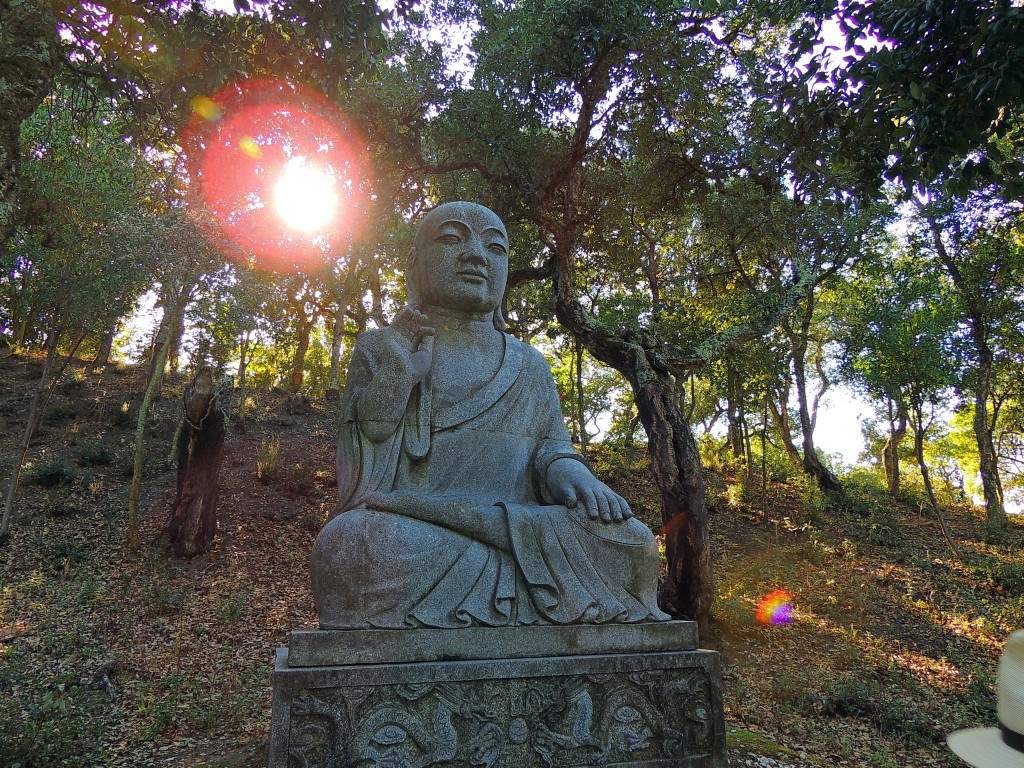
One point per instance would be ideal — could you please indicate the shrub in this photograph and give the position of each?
(122, 416)
(163, 599)
(864, 494)
(736, 493)
(843, 697)
(1000, 575)
(300, 480)
(73, 381)
(228, 608)
(95, 454)
(813, 505)
(906, 723)
(882, 529)
(51, 474)
(58, 412)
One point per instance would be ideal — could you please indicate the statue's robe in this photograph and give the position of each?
(381, 569)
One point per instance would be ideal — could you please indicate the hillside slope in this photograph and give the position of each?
(111, 657)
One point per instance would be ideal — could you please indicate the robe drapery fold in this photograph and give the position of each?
(381, 569)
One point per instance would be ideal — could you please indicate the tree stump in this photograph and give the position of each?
(192, 523)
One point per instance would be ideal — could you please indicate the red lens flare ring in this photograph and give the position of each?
(281, 173)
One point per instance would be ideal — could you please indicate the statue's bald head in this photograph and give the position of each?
(462, 231)
(460, 210)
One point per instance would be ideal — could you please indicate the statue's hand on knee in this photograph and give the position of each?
(571, 483)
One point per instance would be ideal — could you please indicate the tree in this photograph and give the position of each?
(799, 355)
(976, 244)
(145, 54)
(30, 53)
(899, 339)
(70, 264)
(185, 255)
(946, 90)
(571, 106)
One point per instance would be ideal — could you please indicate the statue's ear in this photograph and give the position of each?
(413, 294)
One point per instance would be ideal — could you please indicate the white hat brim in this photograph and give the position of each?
(984, 748)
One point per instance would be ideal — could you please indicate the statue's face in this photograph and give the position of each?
(461, 255)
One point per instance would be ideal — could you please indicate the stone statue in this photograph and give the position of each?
(462, 500)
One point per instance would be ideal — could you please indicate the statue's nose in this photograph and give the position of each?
(474, 252)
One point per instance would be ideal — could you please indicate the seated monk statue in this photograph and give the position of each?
(462, 501)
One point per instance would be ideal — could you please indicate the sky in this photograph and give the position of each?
(838, 429)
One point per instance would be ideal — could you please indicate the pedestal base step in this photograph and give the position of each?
(329, 647)
(660, 708)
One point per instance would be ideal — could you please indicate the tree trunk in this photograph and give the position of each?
(35, 412)
(890, 452)
(988, 463)
(20, 324)
(581, 401)
(337, 342)
(299, 359)
(174, 299)
(734, 398)
(177, 331)
(812, 465)
(764, 461)
(780, 415)
(919, 430)
(192, 522)
(688, 590)
(104, 348)
(30, 53)
(748, 457)
(987, 459)
(243, 363)
(155, 378)
(631, 434)
(161, 340)
(675, 462)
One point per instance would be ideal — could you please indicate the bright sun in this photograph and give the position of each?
(305, 196)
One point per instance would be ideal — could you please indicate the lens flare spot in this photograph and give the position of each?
(249, 146)
(206, 108)
(305, 196)
(775, 608)
(281, 175)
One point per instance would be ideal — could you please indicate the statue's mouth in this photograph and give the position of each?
(473, 275)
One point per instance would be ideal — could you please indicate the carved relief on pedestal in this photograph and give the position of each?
(555, 721)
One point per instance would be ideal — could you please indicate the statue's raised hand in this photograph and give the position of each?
(412, 342)
(571, 483)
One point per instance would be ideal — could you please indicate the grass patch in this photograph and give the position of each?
(746, 742)
(229, 608)
(268, 462)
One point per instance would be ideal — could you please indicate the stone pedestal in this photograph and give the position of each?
(612, 695)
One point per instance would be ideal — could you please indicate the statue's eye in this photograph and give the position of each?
(497, 249)
(449, 239)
